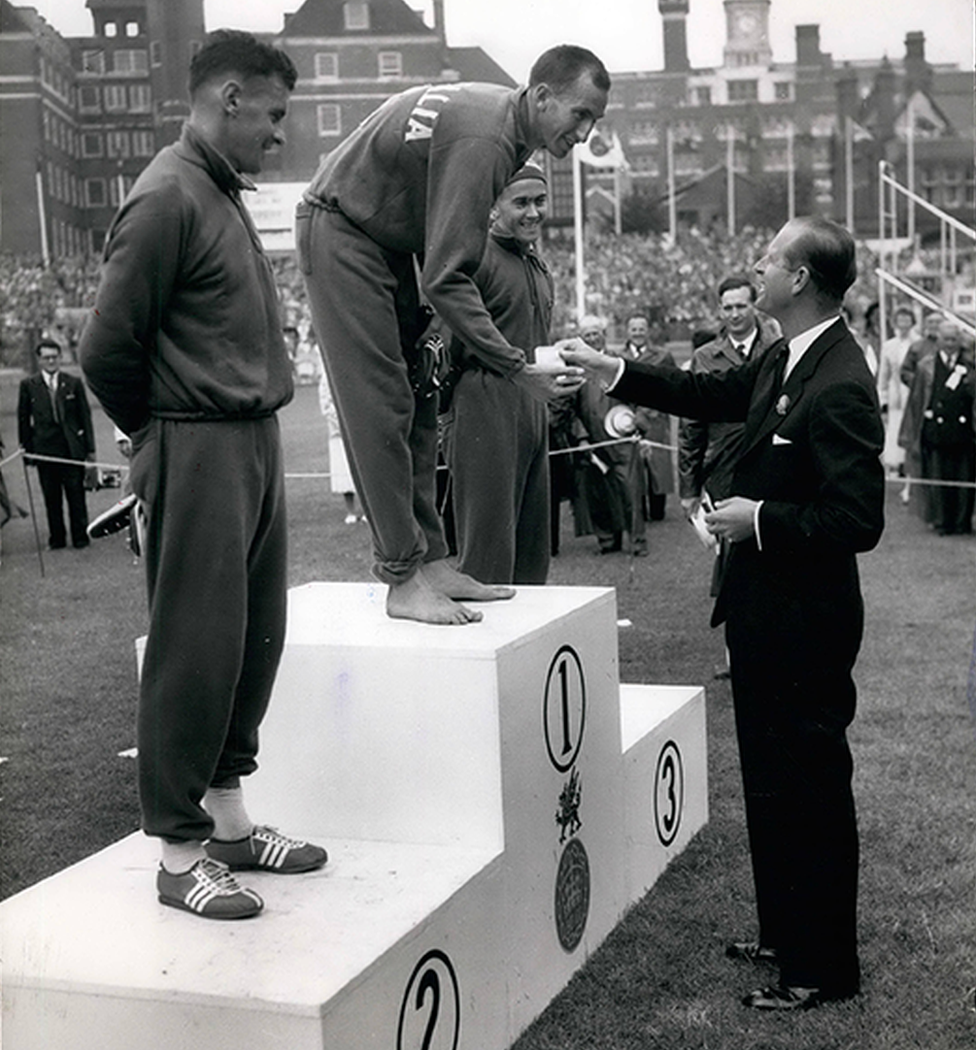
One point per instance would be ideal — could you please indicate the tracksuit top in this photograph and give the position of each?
(186, 322)
(420, 176)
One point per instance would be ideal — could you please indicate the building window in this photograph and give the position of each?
(645, 95)
(391, 64)
(330, 120)
(116, 99)
(117, 143)
(356, 15)
(155, 53)
(118, 189)
(646, 165)
(131, 28)
(95, 193)
(644, 133)
(143, 143)
(743, 90)
(91, 144)
(93, 62)
(326, 65)
(783, 91)
(134, 61)
(702, 96)
(88, 99)
(775, 159)
(140, 98)
(110, 29)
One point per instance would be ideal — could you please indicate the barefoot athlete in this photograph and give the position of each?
(412, 189)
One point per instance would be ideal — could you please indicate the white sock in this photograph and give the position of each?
(179, 857)
(226, 806)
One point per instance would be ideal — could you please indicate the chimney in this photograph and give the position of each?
(674, 14)
(918, 73)
(439, 27)
(884, 96)
(808, 46)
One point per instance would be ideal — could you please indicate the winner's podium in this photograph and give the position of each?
(492, 798)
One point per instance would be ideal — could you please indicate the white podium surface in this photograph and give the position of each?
(492, 799)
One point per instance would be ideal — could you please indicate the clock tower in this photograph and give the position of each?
(747, 33)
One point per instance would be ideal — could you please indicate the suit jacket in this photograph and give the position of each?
(811, 453)
(38, 429)
(707, 452)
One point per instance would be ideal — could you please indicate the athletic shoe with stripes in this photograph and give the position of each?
(208, 889)
(267, 850)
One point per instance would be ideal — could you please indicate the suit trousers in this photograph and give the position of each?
(793, 703)
(63, 483)
(949, 508)
(365, 303)
(216, 545)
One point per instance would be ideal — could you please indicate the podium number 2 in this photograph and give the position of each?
(669, 789)
(564, 708)
(430, 1013)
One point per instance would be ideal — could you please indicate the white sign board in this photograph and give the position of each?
(272, 208)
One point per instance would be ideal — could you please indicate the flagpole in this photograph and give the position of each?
(849, 172)
(911, 171)
(618, 226)
(672, 202)
(730, 173)
(790, 174)
(578, 233)
(42, 217)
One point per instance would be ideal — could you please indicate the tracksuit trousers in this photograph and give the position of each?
(365, 305)
(216, 553)
(498, 443)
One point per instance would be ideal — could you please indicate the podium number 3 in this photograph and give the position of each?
(669, 790)
(430, 1014)
(564, 708)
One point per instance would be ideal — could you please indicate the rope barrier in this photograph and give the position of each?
(313, 475)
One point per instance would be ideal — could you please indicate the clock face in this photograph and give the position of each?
(746, 23)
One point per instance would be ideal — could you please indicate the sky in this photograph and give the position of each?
(626, 34)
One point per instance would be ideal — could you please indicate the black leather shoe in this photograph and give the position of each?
(790, 997)
(775, 997)
(751, 951)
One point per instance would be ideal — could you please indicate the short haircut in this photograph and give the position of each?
(638, 317)
(47, 344)
(737, 280)
(906, 310)
(561, 66)
(828, 251)
(592, 321)
(234, 51)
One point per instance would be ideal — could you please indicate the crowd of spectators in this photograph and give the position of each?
(671, 284)
(36, 299)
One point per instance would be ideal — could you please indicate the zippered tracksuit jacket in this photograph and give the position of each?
(184, 350)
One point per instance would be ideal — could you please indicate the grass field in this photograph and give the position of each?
(67, 690)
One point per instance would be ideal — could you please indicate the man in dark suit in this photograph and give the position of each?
(808, 496)
(937, 432)
(53, 419)
(707, 452)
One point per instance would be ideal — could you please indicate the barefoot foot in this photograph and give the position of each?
(415, 599)
(443, 577)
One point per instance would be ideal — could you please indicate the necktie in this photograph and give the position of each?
(53, 391)
(782, 359)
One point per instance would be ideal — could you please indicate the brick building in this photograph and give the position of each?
(81, 117)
